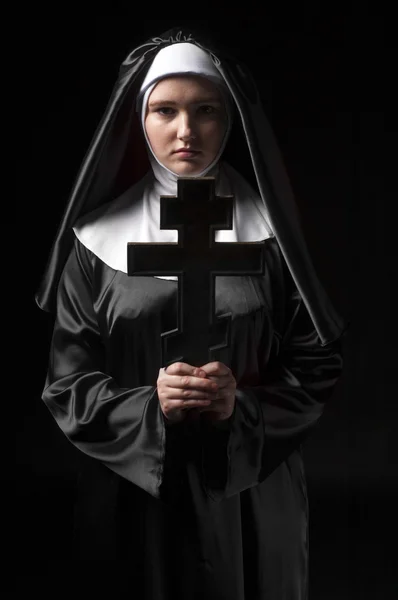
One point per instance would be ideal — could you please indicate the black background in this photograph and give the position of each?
(321, 76)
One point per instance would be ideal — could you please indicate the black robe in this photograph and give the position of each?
(198, 511)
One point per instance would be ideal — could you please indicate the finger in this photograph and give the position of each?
(181, 368)
(221, 380)
(175, 403)
(216, 368)
(186, 381)
(188, 394)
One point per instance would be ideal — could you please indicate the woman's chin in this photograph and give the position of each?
(187, 168)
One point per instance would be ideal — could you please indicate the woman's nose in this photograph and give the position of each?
(186, 128)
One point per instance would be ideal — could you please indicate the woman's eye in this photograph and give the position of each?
(207, 109)
(165, 110)
(168, 111)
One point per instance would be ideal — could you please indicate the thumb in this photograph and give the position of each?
(197, 372)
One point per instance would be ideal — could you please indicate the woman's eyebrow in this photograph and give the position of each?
(156, 103)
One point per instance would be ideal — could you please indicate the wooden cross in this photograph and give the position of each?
(196, 212)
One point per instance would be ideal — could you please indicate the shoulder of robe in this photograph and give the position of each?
(98, 220)
(106, 230)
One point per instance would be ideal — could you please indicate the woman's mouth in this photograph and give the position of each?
(186, 153)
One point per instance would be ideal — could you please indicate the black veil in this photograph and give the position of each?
(117, 158)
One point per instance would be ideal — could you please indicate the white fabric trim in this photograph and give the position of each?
(135, 217)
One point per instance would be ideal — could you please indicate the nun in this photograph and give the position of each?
(220, 510)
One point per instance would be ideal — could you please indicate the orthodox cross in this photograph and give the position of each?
(196, 213)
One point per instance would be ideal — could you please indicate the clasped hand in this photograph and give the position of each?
(210, 389)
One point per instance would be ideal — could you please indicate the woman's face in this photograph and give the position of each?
(185, 123)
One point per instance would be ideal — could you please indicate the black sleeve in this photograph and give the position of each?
(121, 427)
(272, 419)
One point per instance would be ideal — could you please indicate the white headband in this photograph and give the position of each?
(181, 59)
